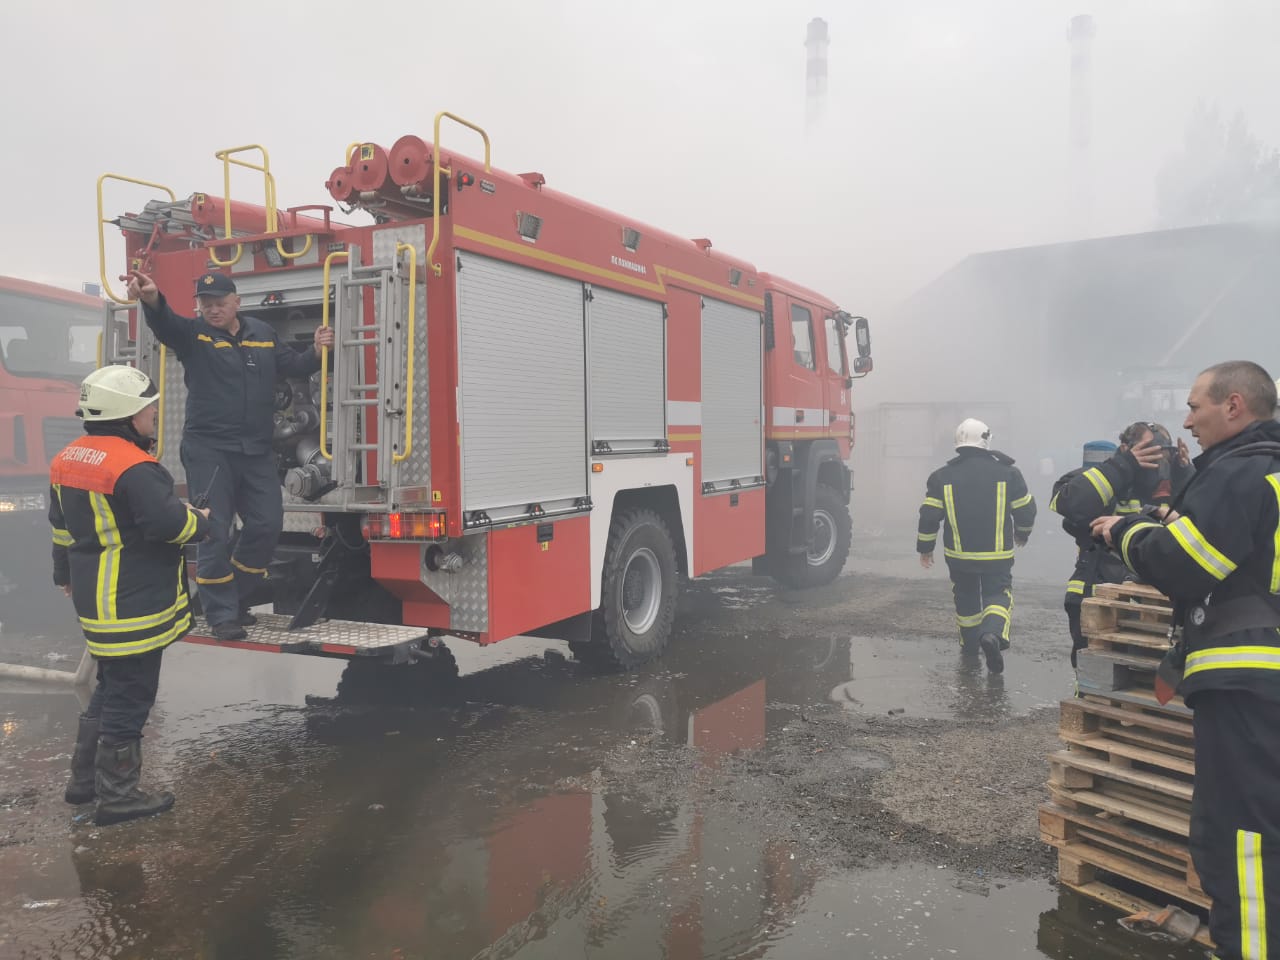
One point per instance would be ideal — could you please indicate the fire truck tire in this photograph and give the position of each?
(833, 535)
(639, 586)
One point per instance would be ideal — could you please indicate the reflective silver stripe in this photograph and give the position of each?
(948, 495)
(62, 538)
(1075, 586)
(188, 529)
(1100, 483)
(993, 555)
(1199, 549)
(1128, 506)
(972, 621)
(1253, 907)
(1234, 658)
(1124, 542)
(1002, 508)
(1274, 480)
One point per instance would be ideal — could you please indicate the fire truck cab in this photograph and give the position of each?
(48, 344)
(538, 416)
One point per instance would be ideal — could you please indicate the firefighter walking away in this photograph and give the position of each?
(118, 535)
(980, 500)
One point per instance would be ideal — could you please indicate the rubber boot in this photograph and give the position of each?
(119, 767)
(80, 788)
(990, 645)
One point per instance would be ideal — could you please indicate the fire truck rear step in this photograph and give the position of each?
(343, 638)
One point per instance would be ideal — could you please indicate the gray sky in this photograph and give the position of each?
(945, 128)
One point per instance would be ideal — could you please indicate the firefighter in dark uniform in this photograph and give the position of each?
(118, 535)
(1147, 469)
(982, 502)
(1216, 554)
(231, 362)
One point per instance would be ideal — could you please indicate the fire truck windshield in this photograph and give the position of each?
(47, 337)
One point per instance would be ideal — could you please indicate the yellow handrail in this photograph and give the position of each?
(103, 221)
(164, 359)
(324, 356)
(413, 343)
(269, 189)
(306, 248)
(448, 172)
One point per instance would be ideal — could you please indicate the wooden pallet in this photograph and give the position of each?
(1159, 728)
(1102, 839)
(1121, 790)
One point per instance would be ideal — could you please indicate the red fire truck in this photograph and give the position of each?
(48, 343)
(539, 415)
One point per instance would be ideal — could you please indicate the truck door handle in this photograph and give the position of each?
(799, 416)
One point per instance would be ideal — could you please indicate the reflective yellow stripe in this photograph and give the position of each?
(135, 623)
(1124, 541)
(994, 555)
(204, 337)
(227, 579)
(1128, 506)
(1199, 549)
(1253, 907)
(221, 343)
(188, 529)
(927, 537)
(949, 496)
(972, 621)
(1002, 508)
(1075, 586)
(1053, 504)
(933, 502)
(1021, 502)
(141, 646)
(256, 343)
(1274, 480)
(1233, 658)
(1100, 483)
(104, 525)
(258, 571)
(62, 538)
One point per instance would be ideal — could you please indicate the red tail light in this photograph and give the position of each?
(405, 526)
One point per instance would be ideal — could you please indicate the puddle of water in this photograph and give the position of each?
(537, 811)
(926, 677)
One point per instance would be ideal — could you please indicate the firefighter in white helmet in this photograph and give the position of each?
(118, 535)
(980, 500)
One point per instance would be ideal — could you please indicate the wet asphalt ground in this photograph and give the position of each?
(802, 776)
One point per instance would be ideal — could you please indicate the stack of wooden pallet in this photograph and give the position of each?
(1121, 790)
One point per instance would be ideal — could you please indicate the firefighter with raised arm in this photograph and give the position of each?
(231, 362)
(118, 535)
(1216, 554)
(981, 501)
(1147, 469)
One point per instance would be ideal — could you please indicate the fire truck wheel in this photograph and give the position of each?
(832, 535)
(638, 599)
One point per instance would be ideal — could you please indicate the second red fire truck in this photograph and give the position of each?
(539, 415)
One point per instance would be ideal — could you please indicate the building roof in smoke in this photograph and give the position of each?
(1172, 298)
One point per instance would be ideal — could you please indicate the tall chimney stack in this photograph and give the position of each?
(1080, 35)
(815, 71)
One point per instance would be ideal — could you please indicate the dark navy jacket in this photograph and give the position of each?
(230, 379)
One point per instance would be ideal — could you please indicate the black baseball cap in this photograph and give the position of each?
(214, 285)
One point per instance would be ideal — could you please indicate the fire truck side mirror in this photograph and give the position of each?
(862, 335)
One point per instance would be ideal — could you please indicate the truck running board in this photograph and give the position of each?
(333, 638)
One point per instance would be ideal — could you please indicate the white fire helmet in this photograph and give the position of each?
(115, 393)
(973, 433)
